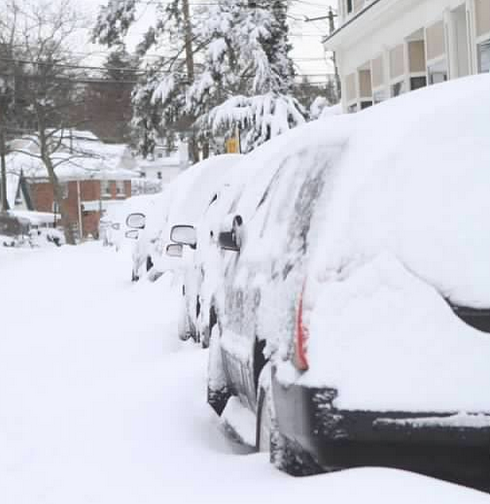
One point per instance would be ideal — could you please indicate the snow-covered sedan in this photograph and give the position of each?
(191, 211)
(353, 308)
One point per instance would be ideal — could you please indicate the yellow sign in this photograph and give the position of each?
(232, 146)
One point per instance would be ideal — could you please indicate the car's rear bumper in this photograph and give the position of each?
(342, 438)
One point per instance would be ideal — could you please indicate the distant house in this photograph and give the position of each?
(388, 47)
(163, 165)
(98, 176)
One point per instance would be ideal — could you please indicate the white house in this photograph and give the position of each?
(388, 47)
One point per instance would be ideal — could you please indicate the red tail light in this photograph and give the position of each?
(301, 339)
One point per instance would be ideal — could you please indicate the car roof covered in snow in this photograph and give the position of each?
(412, 178)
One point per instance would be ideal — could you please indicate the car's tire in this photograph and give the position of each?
(134, 276)
(284, 454)
(183, 329)
(206, 333)
(265, 412)
(218, 390)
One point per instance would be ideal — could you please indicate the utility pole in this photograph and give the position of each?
(189, 55)
(3, 182)
(189, 60)
(331, 23)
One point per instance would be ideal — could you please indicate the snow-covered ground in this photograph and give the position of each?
(101, 404)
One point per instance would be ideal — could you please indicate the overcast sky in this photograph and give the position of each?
(306, 37)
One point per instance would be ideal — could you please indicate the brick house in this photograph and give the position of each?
(385, 48)
(90, 185)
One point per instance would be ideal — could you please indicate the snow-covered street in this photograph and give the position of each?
(100, 403)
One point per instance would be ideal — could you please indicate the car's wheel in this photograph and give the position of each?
(183, 326)
(218, 391)
(206, 333)
(134, 276)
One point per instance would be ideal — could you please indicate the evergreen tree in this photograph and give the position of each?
(244, 76)
(248, 78)
(159, 97)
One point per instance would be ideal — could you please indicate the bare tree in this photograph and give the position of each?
(46, 86)
(8, 24)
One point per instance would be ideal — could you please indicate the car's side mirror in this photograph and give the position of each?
(184, 235)
(136, 221)
(175, 250)
(231, 240)
(132, 234)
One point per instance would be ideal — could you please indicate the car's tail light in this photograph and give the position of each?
(301, 339)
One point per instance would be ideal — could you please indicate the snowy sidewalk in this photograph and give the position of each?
(101, 404)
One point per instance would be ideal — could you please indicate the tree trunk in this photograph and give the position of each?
(205, 149)
(3, 181)
(61, 202)
(193, 149)
(189, 61)
(189, 55)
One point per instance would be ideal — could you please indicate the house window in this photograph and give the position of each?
(349, 6)
(159, 175)
(366, 104)
(398, 88)
(105, 188)
(438, 73)
(417, 82)
(484, 57)
(160, 155)
(120, 188)
(379, 96)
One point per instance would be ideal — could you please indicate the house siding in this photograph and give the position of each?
(350, 87)
(377, 72)
(482, 9)
(90, 190)
(416, 56)
(397, 62)
(436, 46)
(401, 39)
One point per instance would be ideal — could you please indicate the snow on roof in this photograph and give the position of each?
(36, 218)
(83, 156)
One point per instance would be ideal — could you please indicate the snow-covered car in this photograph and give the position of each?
(193, 227)
(185, 199)
(14, 230)
(354, 303)
(143, 220)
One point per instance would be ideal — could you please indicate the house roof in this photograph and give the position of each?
(332, 40)
(82, 157)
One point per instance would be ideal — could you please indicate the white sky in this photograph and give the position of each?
(306, 37)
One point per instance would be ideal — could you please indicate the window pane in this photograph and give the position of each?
(398, 88)
(366, 104)
(379, 96)
(417, 83)
(438, 73)
(484, 57)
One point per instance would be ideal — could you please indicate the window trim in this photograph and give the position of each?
(486, 43)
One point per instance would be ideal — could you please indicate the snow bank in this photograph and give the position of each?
(113, 411)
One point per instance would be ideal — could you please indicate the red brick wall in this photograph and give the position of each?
(127, 188)
(90, 190)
